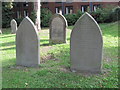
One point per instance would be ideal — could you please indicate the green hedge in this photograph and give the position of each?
(102, 15)
(46, 15)
(6, 14)
(72, 18)
(106, 15)
(33, 17)
(115, 14)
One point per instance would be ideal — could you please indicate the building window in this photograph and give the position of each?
(95, 7)
(25, 4)
(18, 14)
(69, 1)
(58, 1)
(45, 3)
(85, 8)
(69, 10)
(17, 4)
(58, 10)
(84, 0)
(25, 13)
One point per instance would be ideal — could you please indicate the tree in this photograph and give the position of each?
(46, 15)
(6, 14)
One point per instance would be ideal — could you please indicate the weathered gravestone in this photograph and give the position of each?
(86, 45)
(0, 31)
(13, 26)
(27, 44)
(58, 26)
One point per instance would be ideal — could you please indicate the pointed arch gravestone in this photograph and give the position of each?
(0, 31)
(27, 44)
(57, 31)
(86, 45)
(13, 24)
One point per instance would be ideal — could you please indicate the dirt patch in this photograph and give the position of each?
(105, 72)
(47, 57)
(65, 69)
(107, 59)
(45, 49)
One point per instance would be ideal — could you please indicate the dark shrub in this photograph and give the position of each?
(106, 15)
(115, 14)
(72, 18)
(102, 15)
(6, 14)
(46, 15)
(33, 17)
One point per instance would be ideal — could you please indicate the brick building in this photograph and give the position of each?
(72, 7)
(23, 9)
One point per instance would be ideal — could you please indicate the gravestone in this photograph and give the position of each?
(13, 26)
(27, 44)
(58, 26)
(0, 31)
(86, 45)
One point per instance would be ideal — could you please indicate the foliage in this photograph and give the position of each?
(6, 14)
(102, 14)
(72, 18)
(33, 16)
(115, 15)
(18, 20)
(45, 17)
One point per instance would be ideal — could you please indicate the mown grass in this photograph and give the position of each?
(54, 69)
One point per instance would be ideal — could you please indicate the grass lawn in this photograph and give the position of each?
(53, 71)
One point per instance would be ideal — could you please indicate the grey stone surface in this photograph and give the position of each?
(27, 44)
(0, 31)
(58, 26)
(86, 45)
(13, 26)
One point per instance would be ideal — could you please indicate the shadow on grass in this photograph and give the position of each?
(68, 39)
(110, 29)
(8, 63)
(8, 44)
(6, 31)
(111, 52)
(8, 36)
(45, 42)
(9, 48)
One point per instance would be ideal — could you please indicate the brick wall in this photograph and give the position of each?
(20, 8)
(76, 5)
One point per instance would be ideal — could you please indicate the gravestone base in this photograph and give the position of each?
(86, 71)
(26, 65)
(56, 42)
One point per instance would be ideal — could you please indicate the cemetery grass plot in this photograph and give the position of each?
(55, 73)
